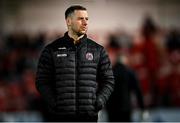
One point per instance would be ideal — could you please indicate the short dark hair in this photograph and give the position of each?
(71, 9)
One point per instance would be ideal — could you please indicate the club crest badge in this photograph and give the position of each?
(89, 56)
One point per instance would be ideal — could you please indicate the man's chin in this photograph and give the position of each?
(82, 33)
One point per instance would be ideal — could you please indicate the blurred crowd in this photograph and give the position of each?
(153, 53)
(19, 52)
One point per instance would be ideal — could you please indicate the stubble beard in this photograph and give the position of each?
(79, 33)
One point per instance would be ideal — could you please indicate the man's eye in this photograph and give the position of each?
(83, 18)
(80, 18)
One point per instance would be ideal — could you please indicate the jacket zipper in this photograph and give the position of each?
(76, 86)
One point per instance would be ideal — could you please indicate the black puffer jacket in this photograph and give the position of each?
(74, 80)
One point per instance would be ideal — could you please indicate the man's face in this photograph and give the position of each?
(78, 22)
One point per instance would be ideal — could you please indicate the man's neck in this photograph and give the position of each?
(74, 36)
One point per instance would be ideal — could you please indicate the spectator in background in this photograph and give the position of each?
(119, 104)
(171, 94)
(147, 61)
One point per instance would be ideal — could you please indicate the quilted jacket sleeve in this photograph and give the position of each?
(105, 80)
(44, 77)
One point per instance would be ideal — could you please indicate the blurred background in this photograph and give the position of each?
(148, 30)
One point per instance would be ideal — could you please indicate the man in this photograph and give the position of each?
(74, 74)
(119, 104)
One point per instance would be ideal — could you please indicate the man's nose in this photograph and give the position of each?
(85, 22)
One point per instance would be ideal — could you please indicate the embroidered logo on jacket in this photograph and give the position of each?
(62, 48)
(61, 55)
(89, 56)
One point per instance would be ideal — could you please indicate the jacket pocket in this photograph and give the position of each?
(98, 104)
(94, 99)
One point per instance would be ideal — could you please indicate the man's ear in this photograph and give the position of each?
(68, 21)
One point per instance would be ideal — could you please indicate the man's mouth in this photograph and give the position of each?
(84, 28)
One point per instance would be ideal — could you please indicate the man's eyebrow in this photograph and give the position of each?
(83, 17)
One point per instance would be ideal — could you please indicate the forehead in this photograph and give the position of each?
(80, 13)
